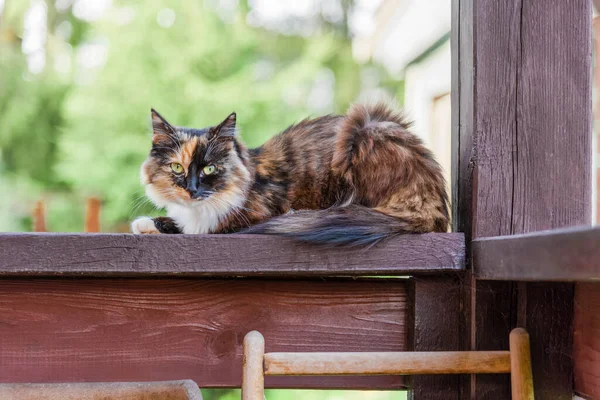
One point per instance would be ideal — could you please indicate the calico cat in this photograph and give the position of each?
(350, 180)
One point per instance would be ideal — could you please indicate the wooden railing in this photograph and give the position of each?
(188, 300)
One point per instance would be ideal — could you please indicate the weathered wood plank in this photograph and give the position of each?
(553, 166)
(221, 255)
(434, 326)
(523, 136)
(586, 345)
(483, 82)
(557, 255)
(84, 330)
(173, 390)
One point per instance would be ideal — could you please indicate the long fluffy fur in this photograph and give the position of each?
(350, 226)
(357, 179)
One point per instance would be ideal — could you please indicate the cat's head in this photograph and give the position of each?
(191, 167)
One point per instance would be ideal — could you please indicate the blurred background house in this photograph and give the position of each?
(411, 39)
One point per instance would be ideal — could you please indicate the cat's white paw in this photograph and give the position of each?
(144, 226)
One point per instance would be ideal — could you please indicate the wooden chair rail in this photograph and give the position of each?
(388, 363)
(51, 254)
(557, 255)
(257, 364)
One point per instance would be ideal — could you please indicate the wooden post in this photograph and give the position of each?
(586, 333)
(586, 340)
(522, 146)
(39, 217)
(435, 327)
(92, 214)
(521, 379)
(253, 376)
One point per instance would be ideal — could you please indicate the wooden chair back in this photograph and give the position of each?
(517, 362)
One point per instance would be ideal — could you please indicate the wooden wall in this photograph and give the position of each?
(522, 140)
(586, 336)
(586, 345)
(128, 330)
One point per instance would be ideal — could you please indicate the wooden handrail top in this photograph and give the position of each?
(571, 254)
(52, 254)
(388, 363)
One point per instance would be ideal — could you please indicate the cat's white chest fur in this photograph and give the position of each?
(203, 218)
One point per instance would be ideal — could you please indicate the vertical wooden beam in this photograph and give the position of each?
(92, 215)
(522, 146)
(39, 217)
(434, 327)
(586, 335)
(586, 341)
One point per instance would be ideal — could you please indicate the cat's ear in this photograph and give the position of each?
(160, 127)
(225, 129)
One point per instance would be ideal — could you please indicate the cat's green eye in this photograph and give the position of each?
(177, 168)
(209, 169)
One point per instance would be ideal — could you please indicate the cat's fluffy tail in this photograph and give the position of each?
(351, 226)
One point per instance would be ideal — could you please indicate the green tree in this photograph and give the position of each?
(85, 130)
(195, 72)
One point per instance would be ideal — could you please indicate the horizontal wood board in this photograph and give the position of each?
(221, 255)
(558, 255)
(103, 330)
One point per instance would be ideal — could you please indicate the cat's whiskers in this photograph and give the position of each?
(138, 203)
(240, 217)
(235, 210)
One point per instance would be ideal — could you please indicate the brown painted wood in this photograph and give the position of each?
(522, 137)
(435, 324)
(389, 363)
(557, 255)
(39, 217)
(549, 319)
(586, 340)
(221, 255)
(586, 343)
(101, 330)
(92, 214)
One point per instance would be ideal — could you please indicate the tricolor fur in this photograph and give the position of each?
(354, 179)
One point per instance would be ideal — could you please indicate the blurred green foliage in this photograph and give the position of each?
(80, 127)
